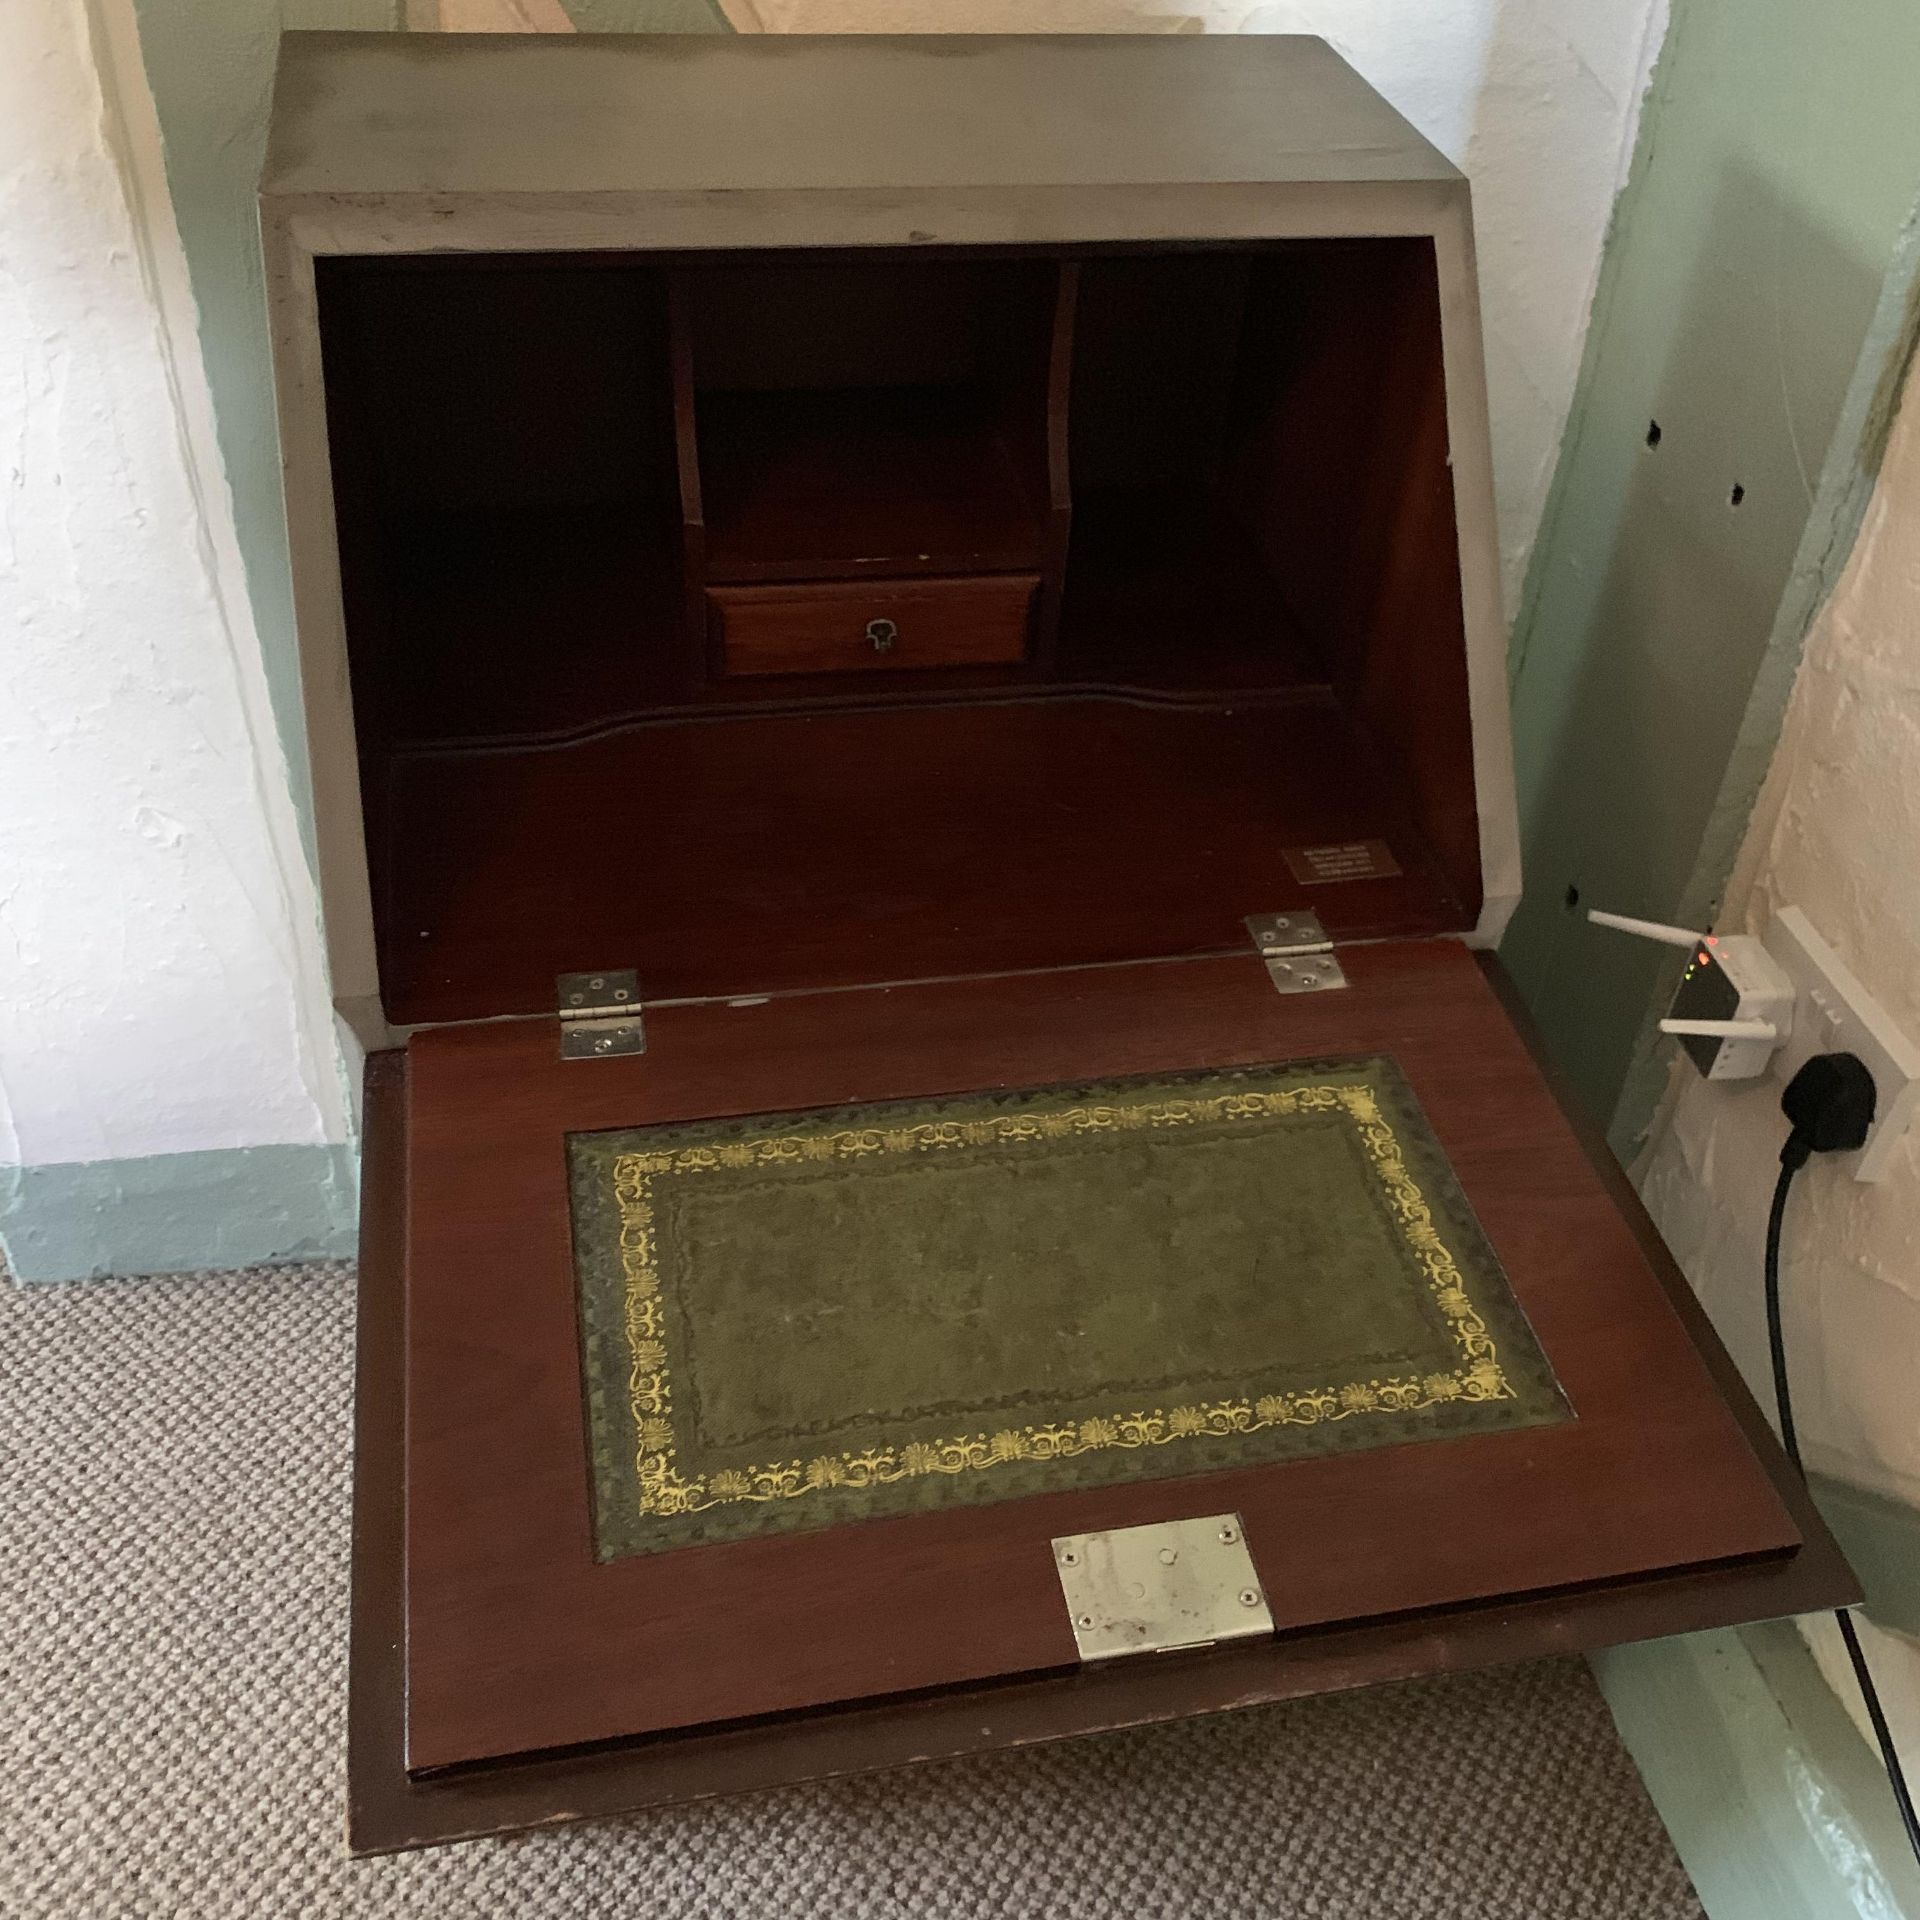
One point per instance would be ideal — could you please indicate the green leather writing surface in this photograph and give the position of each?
(796, 1321)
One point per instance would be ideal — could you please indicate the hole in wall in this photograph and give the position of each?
(1653, 433)
(1738, 494)
(1572, 899)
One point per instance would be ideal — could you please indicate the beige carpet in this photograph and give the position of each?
(173, 1474)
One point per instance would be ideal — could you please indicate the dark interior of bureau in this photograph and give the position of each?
(781, 622)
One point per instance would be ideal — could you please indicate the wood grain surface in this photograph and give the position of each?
(389, 1808)
(829, 626)
(518, 1640)
(775, 852)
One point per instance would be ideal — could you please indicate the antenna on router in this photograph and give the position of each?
(1725, 1029)
(1647, 929)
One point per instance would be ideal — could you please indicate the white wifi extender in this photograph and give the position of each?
(1734, 1004)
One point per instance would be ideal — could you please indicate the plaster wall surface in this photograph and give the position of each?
(160, 987)
(1834, 834)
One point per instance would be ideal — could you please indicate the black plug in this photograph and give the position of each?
(1830, 1104)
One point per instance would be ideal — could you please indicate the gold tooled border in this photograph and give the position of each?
(664, 1491)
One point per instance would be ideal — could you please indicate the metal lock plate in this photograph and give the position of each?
(1297, 950)
(600, 1014)
(1177, 1583)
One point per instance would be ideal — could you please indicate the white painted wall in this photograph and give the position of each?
(160, 981)
(1837, 833)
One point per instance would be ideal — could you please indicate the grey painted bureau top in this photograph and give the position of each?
(509, 114)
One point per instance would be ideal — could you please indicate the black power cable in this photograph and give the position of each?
(1830, 1102)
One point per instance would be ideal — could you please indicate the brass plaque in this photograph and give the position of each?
(1342, 860)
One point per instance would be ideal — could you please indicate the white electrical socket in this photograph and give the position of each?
(1770, 1004)
(1834, 1013)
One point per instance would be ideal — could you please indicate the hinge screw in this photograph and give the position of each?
(1249, 1596)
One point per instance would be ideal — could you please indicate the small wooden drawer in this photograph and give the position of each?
(856, 626)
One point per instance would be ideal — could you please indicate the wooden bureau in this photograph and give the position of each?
(876, 560)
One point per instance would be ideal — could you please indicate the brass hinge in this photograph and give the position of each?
(600, 1014)
(1297, 950)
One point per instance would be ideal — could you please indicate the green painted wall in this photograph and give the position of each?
(1777, 1807)
(1779, 156)
(176, 1212)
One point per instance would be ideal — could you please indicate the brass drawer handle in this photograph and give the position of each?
(881, 634)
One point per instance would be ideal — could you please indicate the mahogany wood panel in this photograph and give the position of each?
(1165, 594)
(502, 444)
(388, 1808)
(543, 580)
(775, 852)
(686, 461)
(1058, 456)
(829, 626)
(883, 480)
(547, 470)
(861, 415)
(1342, 471)
(517, 1640)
